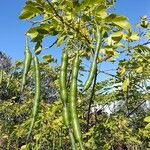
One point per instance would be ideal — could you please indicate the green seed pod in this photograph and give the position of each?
(27, 63)
(63, 87)
(1, 76)
(73, 99)
(94, 63)
(37, 92)
(64, 95)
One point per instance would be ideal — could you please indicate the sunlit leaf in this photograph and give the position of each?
(147, 119)
(48, 58)
(125, 84)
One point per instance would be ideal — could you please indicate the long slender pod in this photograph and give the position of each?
(37, 93)
(94, 63)
(27, 63)
(73, 99)
(1, 76)
(64, 95)
(63, 87)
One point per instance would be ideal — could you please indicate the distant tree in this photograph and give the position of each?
(5, 62)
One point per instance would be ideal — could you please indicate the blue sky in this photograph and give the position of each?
(12, 29)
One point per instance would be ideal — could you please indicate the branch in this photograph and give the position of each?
(104, 59)
(54, 11)
(106, 73)
(51, 45)
(127, 100)
(61, 19)
(91, 100)
(136, 108)
(37, 22)
(148, 42)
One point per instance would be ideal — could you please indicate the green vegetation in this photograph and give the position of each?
(50, 106)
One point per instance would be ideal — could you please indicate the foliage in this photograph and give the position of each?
(114, 112)
(5, 62)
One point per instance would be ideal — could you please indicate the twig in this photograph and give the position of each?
(50, 45)
(61, 19)
(148, 42)
(136, 108)
(106, 73)
(91, 100)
